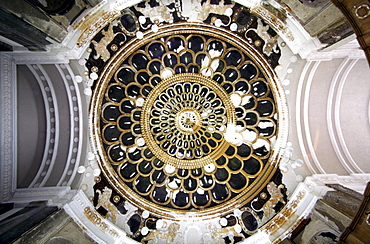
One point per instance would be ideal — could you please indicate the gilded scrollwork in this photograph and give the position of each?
(102, 45)
(262, 31)
(276, 196)
(273, 21)
(167, 235)
(99, 23)
(287, 212)
(157, 14)
(95, 218)
(104, 201)
(205, 9)
(218, 233)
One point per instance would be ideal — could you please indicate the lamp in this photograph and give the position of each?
(294, 163)
(96, 171)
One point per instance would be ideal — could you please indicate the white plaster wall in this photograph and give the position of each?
(31, 126)
(354, 114)
(317, 117)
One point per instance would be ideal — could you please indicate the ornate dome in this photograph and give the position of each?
(188, 118)
(166, 121)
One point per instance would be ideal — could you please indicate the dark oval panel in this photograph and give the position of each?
(160, 194)
(221, 174)
(143, 78)
(183, 172)
(128, 170)
(155, 67)
(265, 108)
(239, 112)
(221, 160)
(220, 192)
(116, 93)
(145, 90)
(116, 153)
(174, 43)
(242, 86)
(181, 199)
(157, 163)
(135, 155)
(190, 184)
(251, 166)
(133, 90)
(237, 181)
(196, 172)
(259, 88)
(128, 22)
(193, 69)
(206, 181)
(201, 199)
(233, 57)
(196, 43)
(143, 184)
(145, 167)
(111, 113)
(134, 223)
(158, 176)
(186, 58)
(251, 118)
(136, 115)
(111, 133)
(249, 221)
(234, 164)
(230, 151)
(139, 61)
(125, 122)
(218, 78)
(156, 50)
(244, 150)
(170, 60)
(231, 75)
(126, 75)
(248, 71)
(229, 88)
(127, 106)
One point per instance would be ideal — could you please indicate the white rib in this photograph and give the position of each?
(48, 124)
(56, 134)
(298, 117)
(71, 118)
(80, 127)
(337, 118)
(331, 110)
(306, 116)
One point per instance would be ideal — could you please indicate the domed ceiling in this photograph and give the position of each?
(188, 120)
(166, 121)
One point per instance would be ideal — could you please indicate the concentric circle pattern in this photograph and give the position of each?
(187, 121)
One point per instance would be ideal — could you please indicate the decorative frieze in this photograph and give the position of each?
(8, 126)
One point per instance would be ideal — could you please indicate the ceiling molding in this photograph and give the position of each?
(8, 125)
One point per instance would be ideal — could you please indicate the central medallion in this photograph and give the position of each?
(186, 119)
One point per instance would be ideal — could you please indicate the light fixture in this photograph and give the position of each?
(287, 159)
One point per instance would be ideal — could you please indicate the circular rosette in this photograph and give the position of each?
(186, 121)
